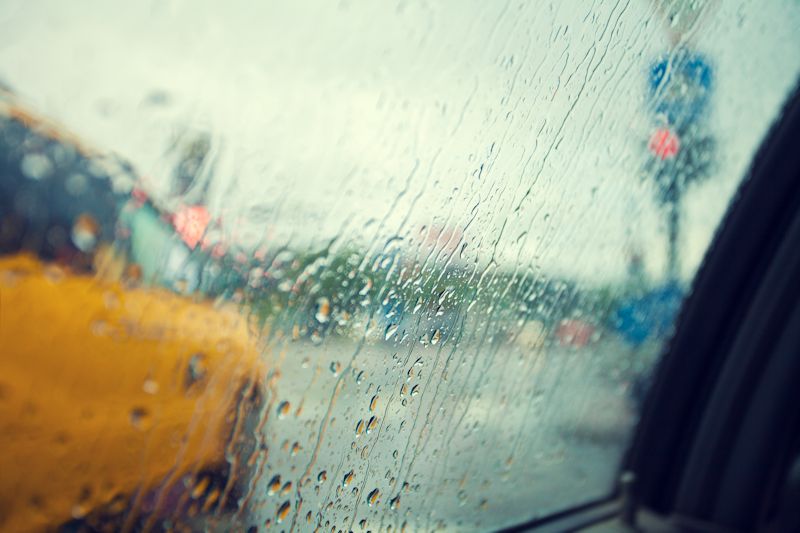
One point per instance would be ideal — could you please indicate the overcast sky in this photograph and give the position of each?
(520, 123)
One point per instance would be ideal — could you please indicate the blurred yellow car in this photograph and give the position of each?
(119, 403)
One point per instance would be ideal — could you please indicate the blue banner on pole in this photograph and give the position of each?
(680, 87)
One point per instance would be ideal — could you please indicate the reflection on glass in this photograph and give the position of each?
(353, 266)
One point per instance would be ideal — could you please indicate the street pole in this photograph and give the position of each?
(673, 207)
(681, 149)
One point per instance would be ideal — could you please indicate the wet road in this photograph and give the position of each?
(467, 436)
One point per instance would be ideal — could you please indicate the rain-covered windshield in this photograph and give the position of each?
(354, 265)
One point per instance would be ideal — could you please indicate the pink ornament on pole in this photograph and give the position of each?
(664, 144)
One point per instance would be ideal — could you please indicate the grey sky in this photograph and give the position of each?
(369, 120)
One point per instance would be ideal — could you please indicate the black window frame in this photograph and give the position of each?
(695, 462)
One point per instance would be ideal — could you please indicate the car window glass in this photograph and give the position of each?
(454, 237)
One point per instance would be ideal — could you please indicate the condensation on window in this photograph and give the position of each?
(354, 266)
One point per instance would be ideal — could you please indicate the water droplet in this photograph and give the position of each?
(295, 448)
(394, 503)
(442, 296)
(85, 232)
(391, 330)
(287, 487)
(76, 184)
(436, 336)
(79, 511)
(81, 508)
(344, 318)
(414, 390)
(283, 510)
(36, 166)
(373, 403)
(283, 409)
(196, 369)
(359, 428)
(212, 498)
(360, 377)
(150, 386)
(373, 497)
(348, 477)
(323, 310)
(373, 422)
(274, 485)
(200, 487)
(140, 418)
(336, 367)
(366, 288)
(363, 523)
(322, 477)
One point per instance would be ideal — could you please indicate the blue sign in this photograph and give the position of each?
(651, 315)
(680, 87)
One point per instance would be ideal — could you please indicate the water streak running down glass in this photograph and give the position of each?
(456, 235)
